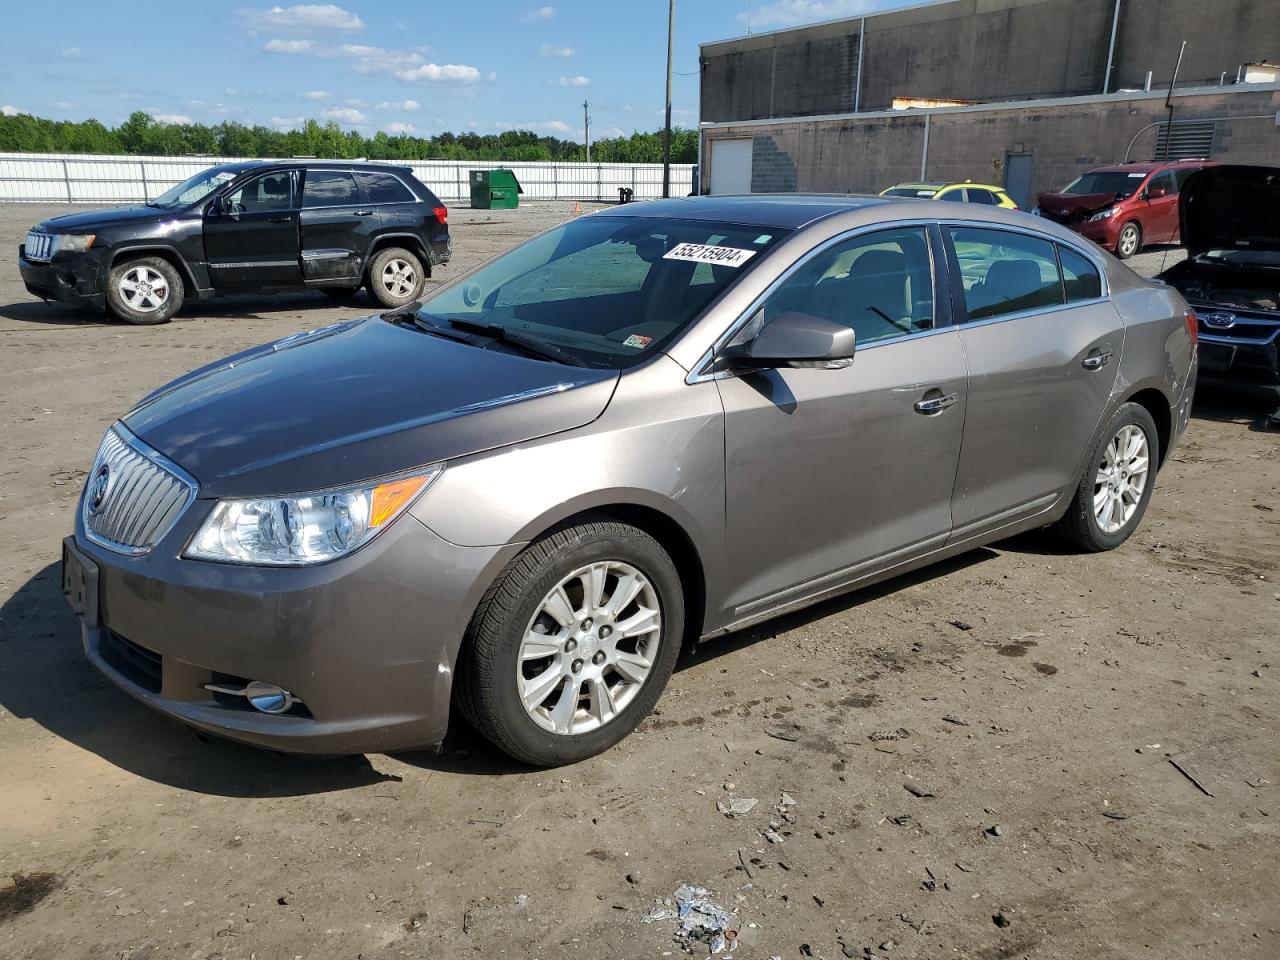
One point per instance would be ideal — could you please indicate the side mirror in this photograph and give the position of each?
(1155, 193)
(795, 339)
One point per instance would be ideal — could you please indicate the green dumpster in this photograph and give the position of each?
(495, 190)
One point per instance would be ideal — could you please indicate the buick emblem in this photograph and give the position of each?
(1219, 321)
(98, 489)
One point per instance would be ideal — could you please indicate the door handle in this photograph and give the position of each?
(364, 213)
(285, 219)
(932, 405)
(1096, 361)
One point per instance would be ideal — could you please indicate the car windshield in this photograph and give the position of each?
(609, 291)
(1102, 181)
(194, 189)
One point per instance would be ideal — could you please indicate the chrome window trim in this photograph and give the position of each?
(699, 373)
(159, 459)
(1087, 252)
(337, 206)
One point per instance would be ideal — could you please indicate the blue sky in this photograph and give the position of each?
(419, 66)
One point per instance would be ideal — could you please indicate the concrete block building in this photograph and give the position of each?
(1024, 93)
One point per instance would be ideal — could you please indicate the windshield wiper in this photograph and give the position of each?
(527, 345)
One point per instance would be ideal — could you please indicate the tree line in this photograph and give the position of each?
(143, 135)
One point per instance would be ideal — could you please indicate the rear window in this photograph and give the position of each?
(1005, 272)
(329, 188)
(982, 196)
(1079, 276)
(385, 188)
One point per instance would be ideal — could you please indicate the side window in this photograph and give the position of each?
(1079, 276)
(977, 195)
(384, 188)
(272, 191)
(1005, 272)
(953, 196)
(880, 284)
(1181, 175)
(1164, 180)
(329, 188)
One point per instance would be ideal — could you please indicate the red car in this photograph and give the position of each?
(1125, 207)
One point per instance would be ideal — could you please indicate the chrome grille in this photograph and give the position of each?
(134, 495)
(39, 246)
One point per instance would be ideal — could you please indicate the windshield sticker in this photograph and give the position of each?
(637, 341)
(763, 238)
(702, 253)
(1136, 176)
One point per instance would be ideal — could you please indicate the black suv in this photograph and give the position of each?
(246, 227)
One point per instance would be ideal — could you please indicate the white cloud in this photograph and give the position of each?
(170, 118)
(545, 126)
(306, 16)
(438, 73)
(355, 102)
(345, 115)
(555, 50)
(287, 123)
(399, 127)
(9, 110)
(378, 60)
(71, 53)
(293, 46)
(789, 13)
(578, 81)
(471, 124)
(409, 105)
(64, 104)
(541, 13)
(317, 94)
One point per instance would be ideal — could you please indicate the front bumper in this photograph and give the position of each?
(367, 643)
(74, 279)
(1245, 362)
(1105, 233)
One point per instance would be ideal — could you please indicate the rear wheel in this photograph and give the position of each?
(572, 646)
(395, 277)
(145, 291)
(1118, 479)
(1130, 240)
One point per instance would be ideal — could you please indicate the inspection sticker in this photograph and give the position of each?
(637, 340)
(702, 253)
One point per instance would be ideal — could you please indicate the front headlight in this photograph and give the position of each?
(72, 242)
(1103, 214)
(306, 529)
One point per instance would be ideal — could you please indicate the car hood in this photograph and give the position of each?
(1072, 204)
(99, 219)
(355, 401)
(1231, 207)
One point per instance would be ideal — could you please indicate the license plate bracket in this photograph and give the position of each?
(80, 583)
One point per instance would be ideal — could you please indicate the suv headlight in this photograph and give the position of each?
(1103, 214)
(308, 528)
(72, 242)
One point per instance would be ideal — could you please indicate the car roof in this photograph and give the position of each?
(1147, 166)
(788, 211)
(299, 163)
(945, 184)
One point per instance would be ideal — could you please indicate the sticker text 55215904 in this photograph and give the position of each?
(702, 253)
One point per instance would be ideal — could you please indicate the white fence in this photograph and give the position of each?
(88, 178)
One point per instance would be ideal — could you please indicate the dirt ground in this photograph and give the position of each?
(1035, 696)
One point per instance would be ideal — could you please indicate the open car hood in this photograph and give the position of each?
(1231, 207)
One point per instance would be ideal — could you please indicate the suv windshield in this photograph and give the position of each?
(194, 189)
(610, 291)
(1116, 182)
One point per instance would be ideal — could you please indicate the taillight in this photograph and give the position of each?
(442, 215)
(1193, 325)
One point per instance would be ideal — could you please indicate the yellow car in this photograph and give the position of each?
(955, 192)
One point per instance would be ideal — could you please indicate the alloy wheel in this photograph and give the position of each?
(1129, 241)
(1121, 478)
(589, 648)
(399, 277)
(143, 289)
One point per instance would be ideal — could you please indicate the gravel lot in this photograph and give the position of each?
(1041, 732)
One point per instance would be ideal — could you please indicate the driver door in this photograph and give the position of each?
(833, 473)
(251, 236)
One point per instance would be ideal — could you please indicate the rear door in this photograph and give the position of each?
(251, 239)
(1042, 357)
(391, 198)
(834, 472)
(338, 226)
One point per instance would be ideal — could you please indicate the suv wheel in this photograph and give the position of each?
(1130, 240)
(395, 277)
(1118, 479)
(572, 646)
(144, 291)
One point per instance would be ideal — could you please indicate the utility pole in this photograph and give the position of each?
(586, 128)
(666, 130)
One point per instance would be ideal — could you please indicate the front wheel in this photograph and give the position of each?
(1130, 240)
(395, 277)
(145, 291)
(574, 643)
(1118, 479)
